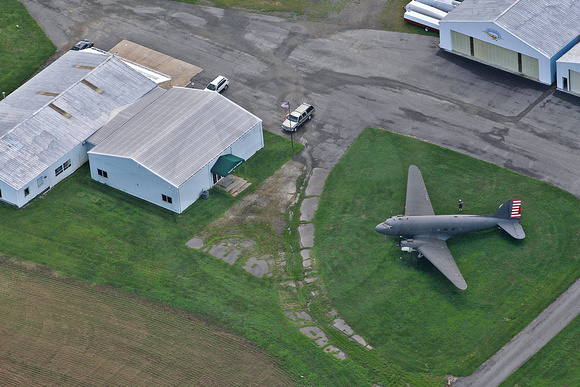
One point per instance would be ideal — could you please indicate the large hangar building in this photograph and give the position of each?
(45, 122)
(174, 144)
(522, 36)
(163, 146)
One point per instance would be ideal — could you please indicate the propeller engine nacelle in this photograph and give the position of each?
(410, 245)
(407, 245)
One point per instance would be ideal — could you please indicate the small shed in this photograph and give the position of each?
(174, 144)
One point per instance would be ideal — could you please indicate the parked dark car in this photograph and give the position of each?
(85, 43)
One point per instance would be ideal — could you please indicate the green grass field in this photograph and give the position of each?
(391, 14)
(405, 308)
(557, 364)
(23, 45)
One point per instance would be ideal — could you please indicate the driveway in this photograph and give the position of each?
(355, 78)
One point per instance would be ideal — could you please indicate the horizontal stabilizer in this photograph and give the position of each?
(513, 228)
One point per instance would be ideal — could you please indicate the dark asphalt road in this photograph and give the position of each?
(355, 78)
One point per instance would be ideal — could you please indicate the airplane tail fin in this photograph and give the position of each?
(512, 209)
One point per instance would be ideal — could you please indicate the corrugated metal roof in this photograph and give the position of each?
(44, 135)
(56, 78)
(572, 56)
(546, 25)
(179, 133)
(123, 114)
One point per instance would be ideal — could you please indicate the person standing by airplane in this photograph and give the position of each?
(460, 205)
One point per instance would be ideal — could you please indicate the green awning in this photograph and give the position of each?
(226, 164)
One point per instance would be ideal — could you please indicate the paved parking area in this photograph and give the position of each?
(355, 78)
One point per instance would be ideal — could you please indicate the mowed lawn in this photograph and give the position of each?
(92, 233)
(408, 311)
(59, 333)
(23, 45)
(391, 12)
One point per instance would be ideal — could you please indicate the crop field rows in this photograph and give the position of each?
(57, 332)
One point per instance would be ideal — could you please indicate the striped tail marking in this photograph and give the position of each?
(516, 209)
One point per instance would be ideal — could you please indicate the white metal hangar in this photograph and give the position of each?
(173, 144)
(568, 71)
(44, 123)
(521, 36)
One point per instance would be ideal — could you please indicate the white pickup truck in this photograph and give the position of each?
(293, 120)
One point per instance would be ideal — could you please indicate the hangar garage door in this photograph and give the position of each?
(495, 55)
(575, 81)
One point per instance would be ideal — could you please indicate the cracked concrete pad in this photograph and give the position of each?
(306, 235)
(224, 253)
(304, 316)
(359, 339)
(290, 315)
(316, 181)
(257, 267)
(308, 208)
(313, 332)
(321, 342)
(335, 351)
(342, 326)
(196, 243)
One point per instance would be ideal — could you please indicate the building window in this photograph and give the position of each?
(102, 173)
(66, 164)
(26, 191)
(58, 170)
(0, 193)
(166, 198)
(40, 181)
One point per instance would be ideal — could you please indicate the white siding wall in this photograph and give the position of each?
(504, 53)
(245, 148)
(77, 157)
(249, 144)
(570, 71)
(190, 191)
(128, 176)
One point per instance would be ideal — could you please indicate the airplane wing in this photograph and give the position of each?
(418, 202)
(437, 252)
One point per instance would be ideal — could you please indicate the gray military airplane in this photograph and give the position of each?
(426, 232)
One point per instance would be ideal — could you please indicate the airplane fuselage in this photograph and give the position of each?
(438, 226)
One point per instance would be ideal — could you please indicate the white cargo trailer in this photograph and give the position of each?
(443, 5)
(421, 20)
(426, 10)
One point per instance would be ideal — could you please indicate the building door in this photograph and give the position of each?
(495, 55)
(574, 81)
(216, 178)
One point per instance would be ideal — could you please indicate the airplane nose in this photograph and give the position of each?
(380, 228)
